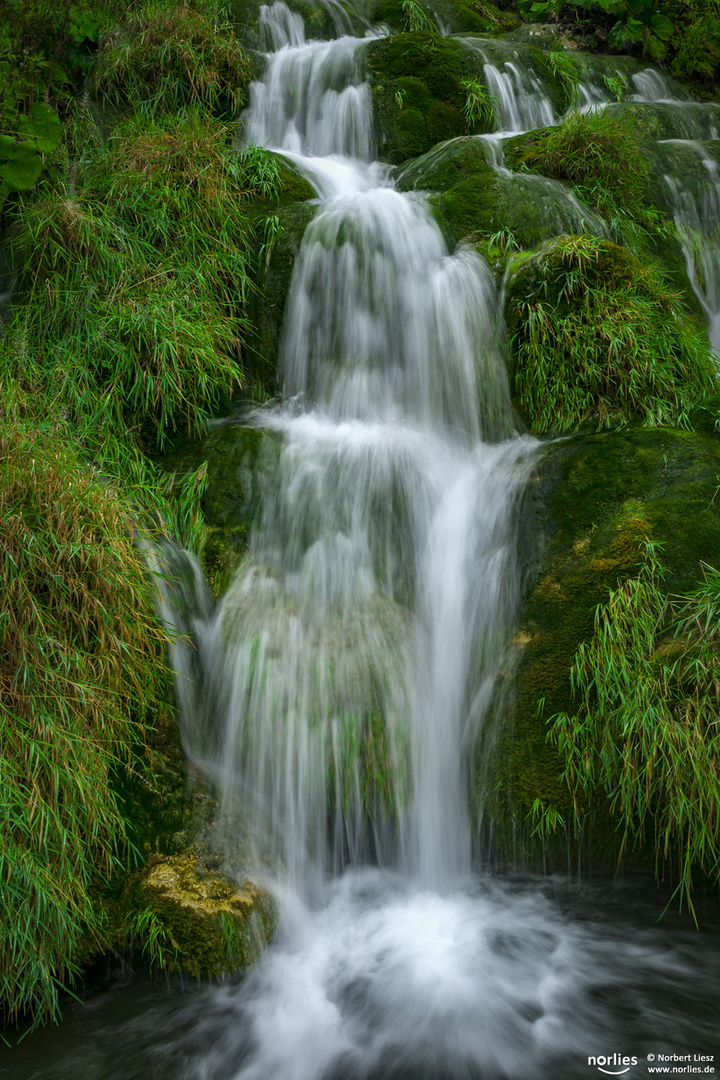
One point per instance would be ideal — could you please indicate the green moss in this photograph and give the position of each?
(213, 925)
(473, 201)
(418, 97)
(592, 501)
(237, 457)
(266, 303)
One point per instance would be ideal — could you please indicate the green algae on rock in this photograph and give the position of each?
(213, 924)
(416, 80)
(591, 504)
(596, 337)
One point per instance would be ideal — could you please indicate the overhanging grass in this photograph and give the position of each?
(81, 671)
(647, 729)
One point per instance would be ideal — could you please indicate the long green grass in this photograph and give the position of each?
(132, 278)
(81, 673)
(170, 58)
(647, 728)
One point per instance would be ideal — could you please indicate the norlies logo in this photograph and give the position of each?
(613, 1060)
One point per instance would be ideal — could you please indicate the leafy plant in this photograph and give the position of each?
(647, 729)
(479, 107)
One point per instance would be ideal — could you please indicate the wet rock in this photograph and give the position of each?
(212, 925)
(590, 503)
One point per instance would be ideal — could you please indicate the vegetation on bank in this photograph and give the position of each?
(81, 674)
(132, 257)
(683, 33)
(646, 732)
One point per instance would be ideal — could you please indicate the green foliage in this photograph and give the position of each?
(80, 669)
(565, 68)
(168, 58)
(132, 284)
(597, 337)
(616, 85)
(637, 22)
(144, 930)
(479, 109)
(417, 18)
(647, 731)
(696, 45)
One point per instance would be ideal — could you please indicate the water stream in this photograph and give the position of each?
(340, 689)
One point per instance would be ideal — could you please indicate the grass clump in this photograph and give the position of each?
(647, 729)
(480, 105)
(597, 337)
(132, 279)
(80, 669)
(167, 58)
(599, 153)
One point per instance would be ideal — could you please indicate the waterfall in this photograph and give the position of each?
(340, 689)
(351, 663)
(693, 199)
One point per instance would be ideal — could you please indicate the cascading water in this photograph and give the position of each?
(348, 672)
(381, 586)
(693, 198)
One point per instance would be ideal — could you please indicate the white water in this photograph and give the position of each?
(372, 617)
(695, 207)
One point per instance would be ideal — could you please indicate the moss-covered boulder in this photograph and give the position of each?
(665, 120)
(266, 304)
(237, 457)
(209, 924)
(592, 501)
(416, 81)
(474, 201)
(597, 337)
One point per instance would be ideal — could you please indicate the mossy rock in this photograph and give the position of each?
(454, 16)
(237, 457)
(473, 201)
(266, 305)
(416, 83)
(213, 924)
(590, 503)
(663, 120)
(659, 244)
